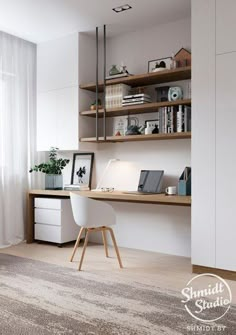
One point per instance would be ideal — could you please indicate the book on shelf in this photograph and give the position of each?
(187, 118)
(115, 95)
(174, 119)
(138, 102)
(119, 75)
(136, 99)
(180, 119)
(163, 117)
(139, 95)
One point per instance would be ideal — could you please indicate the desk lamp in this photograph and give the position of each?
(98, 188)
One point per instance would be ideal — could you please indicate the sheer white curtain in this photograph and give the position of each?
(17, 133)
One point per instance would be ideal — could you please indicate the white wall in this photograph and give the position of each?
(135, 49)
(149, 227)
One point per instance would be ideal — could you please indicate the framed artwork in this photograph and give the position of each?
(151, 122)
(157, 64)
(82, 169)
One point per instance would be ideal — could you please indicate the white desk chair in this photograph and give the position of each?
(93, 215)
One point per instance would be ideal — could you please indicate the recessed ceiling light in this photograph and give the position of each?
(125, 7)
(121, 8)
(118, 9)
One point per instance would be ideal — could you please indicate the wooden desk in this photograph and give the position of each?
(158, 199)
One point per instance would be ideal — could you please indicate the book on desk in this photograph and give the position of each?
(76, 187)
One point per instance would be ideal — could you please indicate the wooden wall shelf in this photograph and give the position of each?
(135, 109)
(135, 138)
(153, 78)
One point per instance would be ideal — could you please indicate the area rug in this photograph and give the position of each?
(41, 298)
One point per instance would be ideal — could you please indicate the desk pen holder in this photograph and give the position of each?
(184, 185)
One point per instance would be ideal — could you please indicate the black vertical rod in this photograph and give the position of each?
(96, 83)
(104, 82)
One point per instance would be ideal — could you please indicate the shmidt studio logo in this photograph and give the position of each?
(207, 303)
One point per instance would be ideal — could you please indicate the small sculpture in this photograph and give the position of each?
(113, 71)
(133, 130)
(118, 71)
(123, 69)
(155, 130)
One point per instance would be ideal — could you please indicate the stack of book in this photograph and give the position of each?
(115, 95)
(118, 75)
(136, 99)
(76, 187)
(174, 119)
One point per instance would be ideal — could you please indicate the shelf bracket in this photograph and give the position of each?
(104, 82)
(96, 83)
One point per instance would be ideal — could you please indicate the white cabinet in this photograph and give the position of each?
(58, 94)
(225, 161)
(213, 134)
(225, 26)
(57, 119)
(203, 133)
(54, 221)
(57, 63)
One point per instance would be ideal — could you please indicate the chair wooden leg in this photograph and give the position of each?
(105, 241)
(76, 243)
(84, 248)
(115, 246)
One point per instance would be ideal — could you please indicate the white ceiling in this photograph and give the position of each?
(40, 20)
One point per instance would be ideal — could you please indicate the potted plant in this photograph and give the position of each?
(53, 170)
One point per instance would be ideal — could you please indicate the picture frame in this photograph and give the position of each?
(152, 63)
(82, 168)
(153, 121)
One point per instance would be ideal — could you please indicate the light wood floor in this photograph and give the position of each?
(149, 268)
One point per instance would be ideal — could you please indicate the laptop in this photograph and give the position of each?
(150, 182)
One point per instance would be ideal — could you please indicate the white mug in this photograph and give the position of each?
(171, 190)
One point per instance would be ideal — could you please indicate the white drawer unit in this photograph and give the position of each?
(43, 232)
(48, 203)
(48, 216)
(54, 221)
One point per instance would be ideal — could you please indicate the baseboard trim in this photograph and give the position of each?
(231, 275)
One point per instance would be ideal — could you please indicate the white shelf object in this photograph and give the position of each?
(54, 221)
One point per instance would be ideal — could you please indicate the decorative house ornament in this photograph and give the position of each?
(183, 58)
